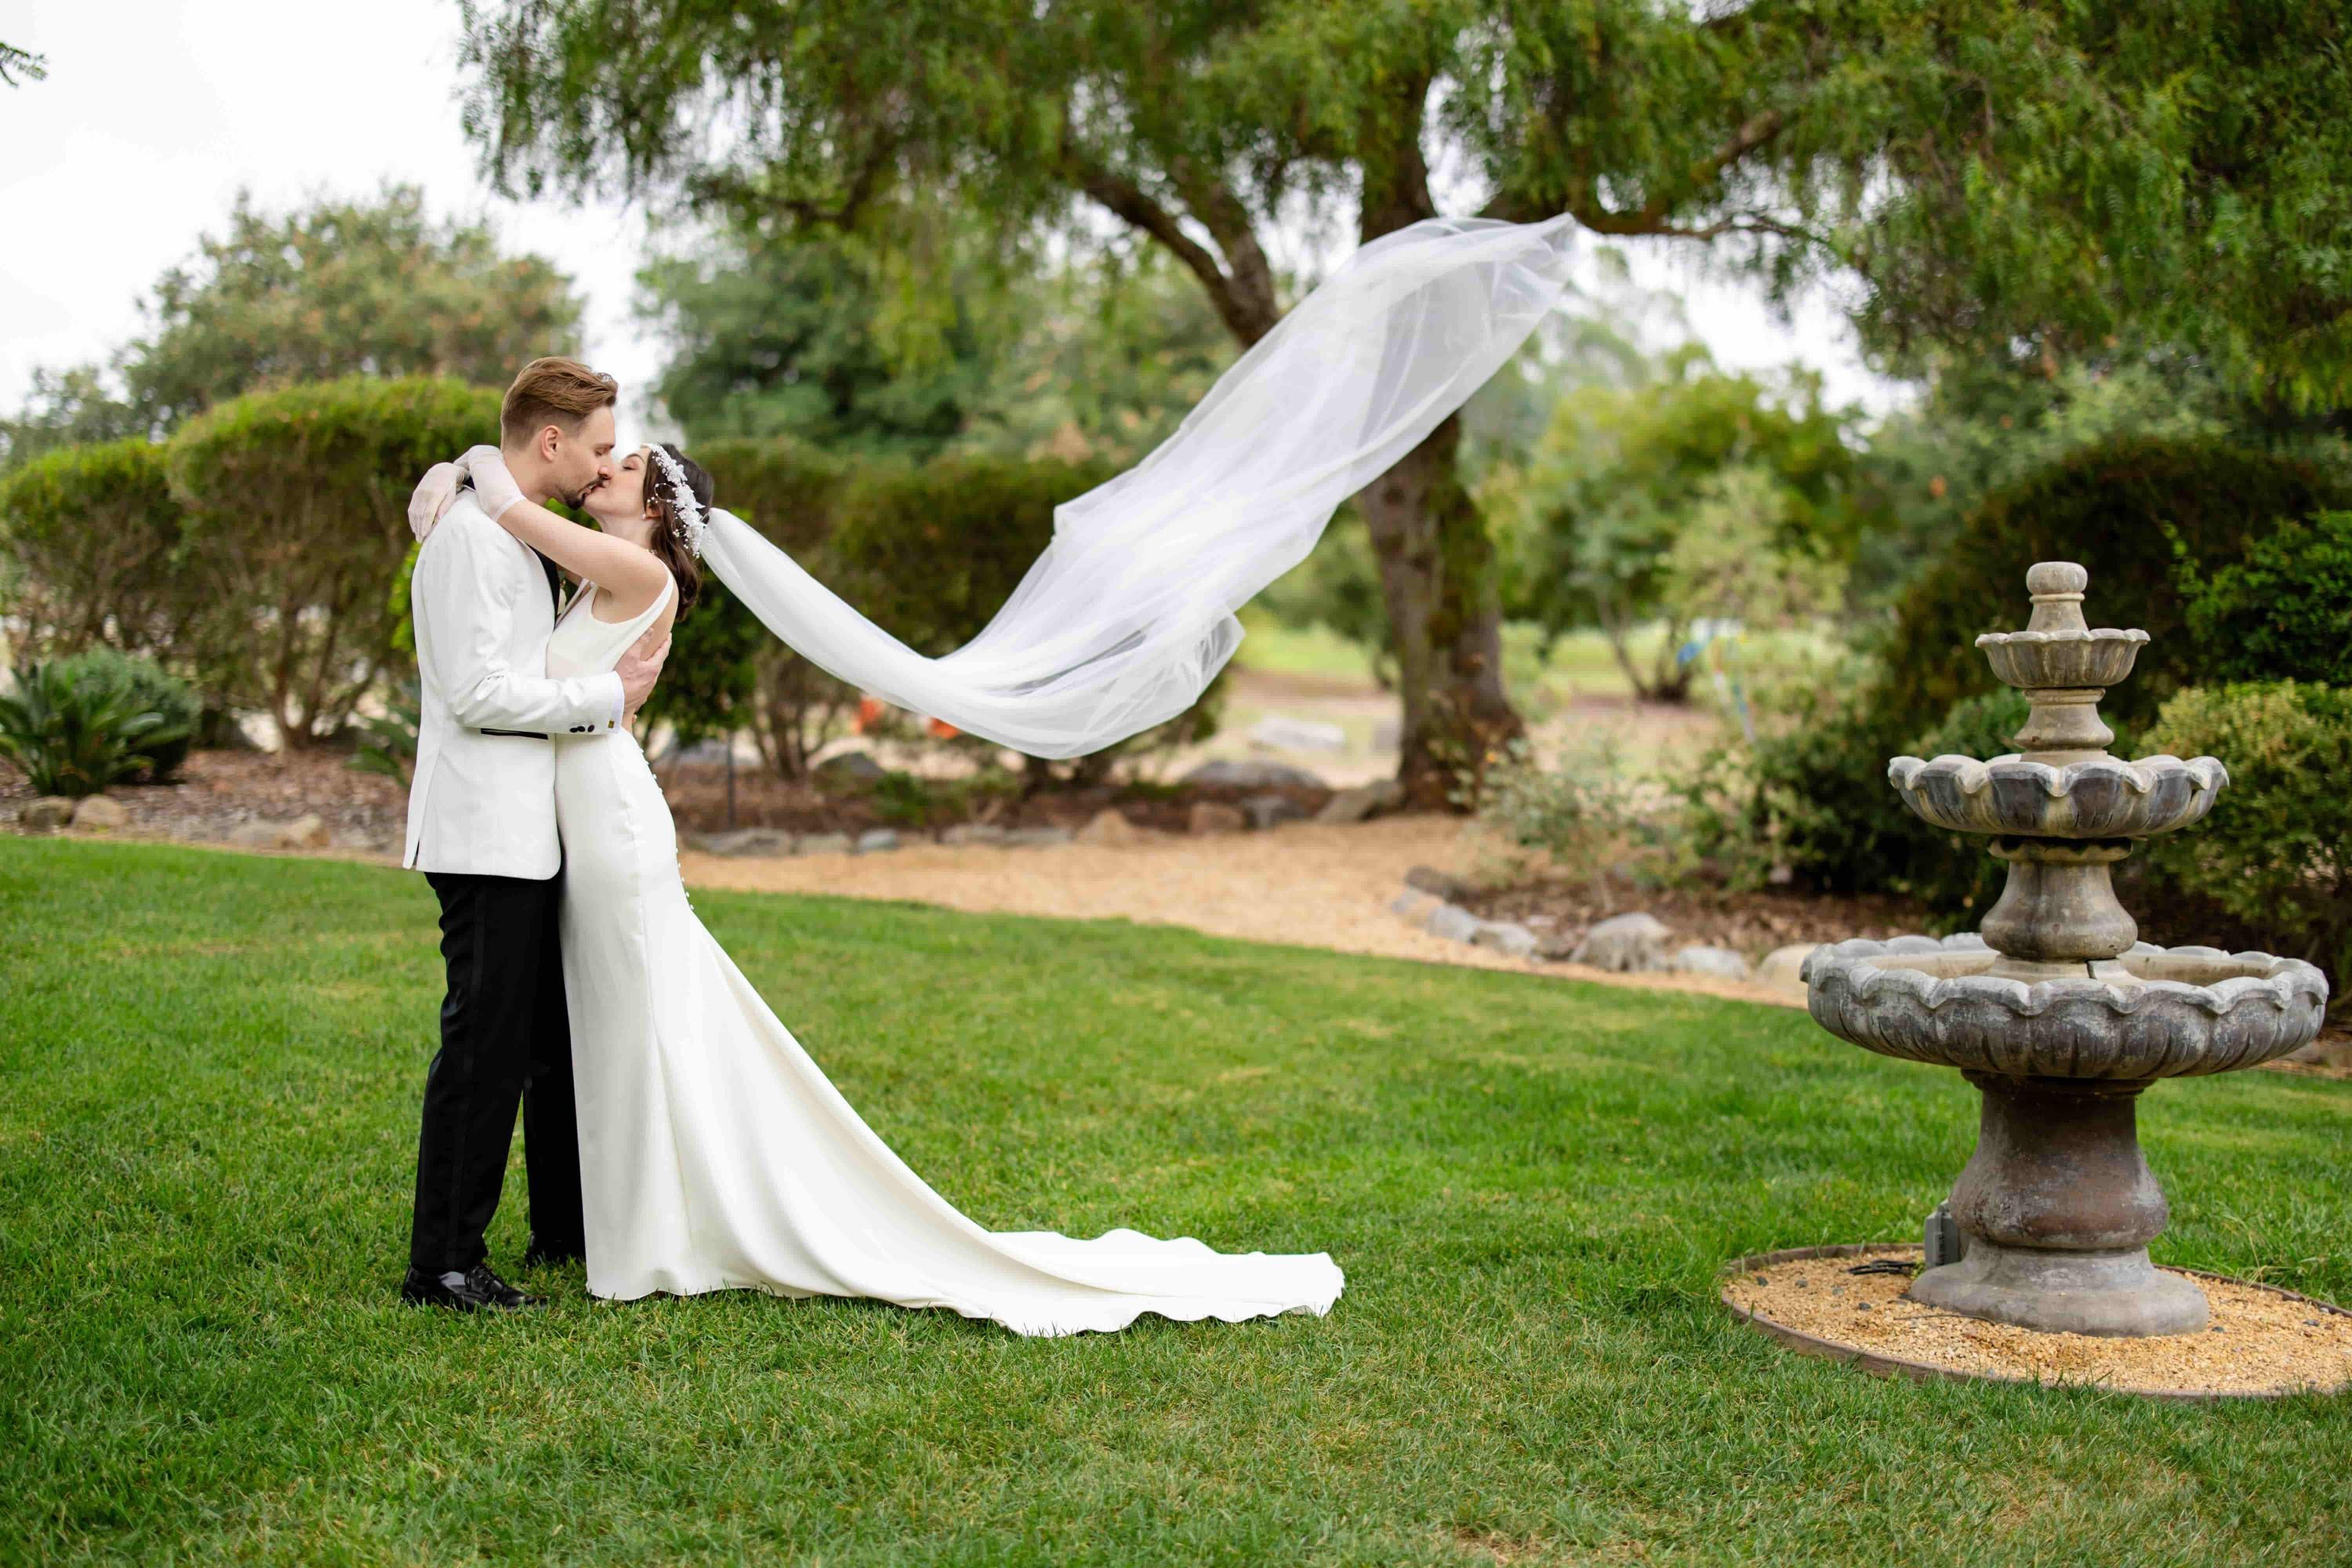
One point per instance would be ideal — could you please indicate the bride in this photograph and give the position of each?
(715, 1154)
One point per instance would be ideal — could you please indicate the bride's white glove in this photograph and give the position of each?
(432, 497)
(494, 487)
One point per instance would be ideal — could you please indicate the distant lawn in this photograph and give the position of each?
(209, 1075)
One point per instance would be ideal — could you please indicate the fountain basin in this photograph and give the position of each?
(2062, 657)
(2149, 1013)
(2102, 798)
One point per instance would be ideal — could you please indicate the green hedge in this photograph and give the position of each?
(88, 535)
(2284, 613)
(2275, 853)
(2141, 516)
(296, 519)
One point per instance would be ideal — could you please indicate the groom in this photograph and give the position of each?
(481, 827)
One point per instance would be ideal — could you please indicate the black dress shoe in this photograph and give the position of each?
(475, 1290)
(537, 1256)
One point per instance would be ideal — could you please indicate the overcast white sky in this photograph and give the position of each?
(155, 112)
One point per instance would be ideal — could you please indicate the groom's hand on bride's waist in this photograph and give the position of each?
(640, 668)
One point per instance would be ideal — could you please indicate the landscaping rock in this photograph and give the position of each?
(825, 844)
(847, 770)
(1453, 922)
(51, 811)
(1251, 773)
(100, 814)
(874, 840)
(1783, 966)
(1555, 946)
(1507, 937)
(1038, 837)
(1439, 884)
(1627, 944)
(1109, 828)
(307, 832)
(1266, 811)
(1281, 732)
(1208, 816)
(745, 842)
(1388, 735)
(1362, 801)
(1719, 962)
(973, 833)
(1413, 905)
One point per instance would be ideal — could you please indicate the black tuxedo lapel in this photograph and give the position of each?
(554, 581)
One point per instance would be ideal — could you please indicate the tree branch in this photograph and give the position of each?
(1228, 222)
(1135, 205)
(1651, 217)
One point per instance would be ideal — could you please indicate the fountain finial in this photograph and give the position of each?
(2063, 667)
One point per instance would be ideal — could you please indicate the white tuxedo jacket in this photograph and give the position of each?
(483, 800)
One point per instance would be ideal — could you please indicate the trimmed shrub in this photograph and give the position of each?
(2141, 515)
(74, 736)
(88, 534)
(2276, 852)
(933, 553)
(152, 690)
(297, 504)
(2285, 613)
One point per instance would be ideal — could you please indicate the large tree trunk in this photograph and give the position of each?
(1437, 574)
(1437, 562)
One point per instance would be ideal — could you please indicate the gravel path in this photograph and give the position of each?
(1302, 884)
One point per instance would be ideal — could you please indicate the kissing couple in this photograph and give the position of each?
(676, 1137)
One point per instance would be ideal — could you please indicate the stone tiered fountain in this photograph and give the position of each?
(2053, 1009)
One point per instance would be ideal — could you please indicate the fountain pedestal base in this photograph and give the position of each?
(2058, 1206)
(2105, 1293)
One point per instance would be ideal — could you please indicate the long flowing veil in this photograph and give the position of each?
(1128, 613)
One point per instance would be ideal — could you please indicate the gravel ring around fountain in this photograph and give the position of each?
(2320, 1364)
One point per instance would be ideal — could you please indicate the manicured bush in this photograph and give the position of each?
(2141, 516)
(87, 536)
(75, 735)
(152, 690)
(297, 504)
(932, 553)
(2284, 613)
(2275, 853)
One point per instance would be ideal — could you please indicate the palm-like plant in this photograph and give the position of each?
(76, 737)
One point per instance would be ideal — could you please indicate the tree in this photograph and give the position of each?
(1605, 512)
(336, 287)
(88, 534)
(1990, 173)
(16, 62)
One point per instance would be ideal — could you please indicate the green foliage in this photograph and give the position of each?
(388, 745)
(2275, 853)
(1584, 814)
(2284, 613)
(16, 62)
(297, 505)
(1337, 587)
(798, 337)
(1688, 493)
(74, 735)
(335, 288)
(88, 534)
(151, 690)
(2137, 514)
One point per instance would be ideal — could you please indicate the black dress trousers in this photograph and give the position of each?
(505, 1038)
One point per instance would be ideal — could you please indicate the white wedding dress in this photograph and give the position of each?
(714, 1155)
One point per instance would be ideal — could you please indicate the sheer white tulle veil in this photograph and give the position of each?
(1128, 613)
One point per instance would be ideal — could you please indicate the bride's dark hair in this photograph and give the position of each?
(667, 542)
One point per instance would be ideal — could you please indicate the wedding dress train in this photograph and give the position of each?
(715, 1155)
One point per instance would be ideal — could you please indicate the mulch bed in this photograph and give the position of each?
(218, 791)
(2260, 1341)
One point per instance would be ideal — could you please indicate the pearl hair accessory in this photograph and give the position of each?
(690, 523)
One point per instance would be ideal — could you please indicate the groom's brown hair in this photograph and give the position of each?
(553, 391)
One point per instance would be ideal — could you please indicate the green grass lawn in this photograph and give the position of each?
(209, 1067)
